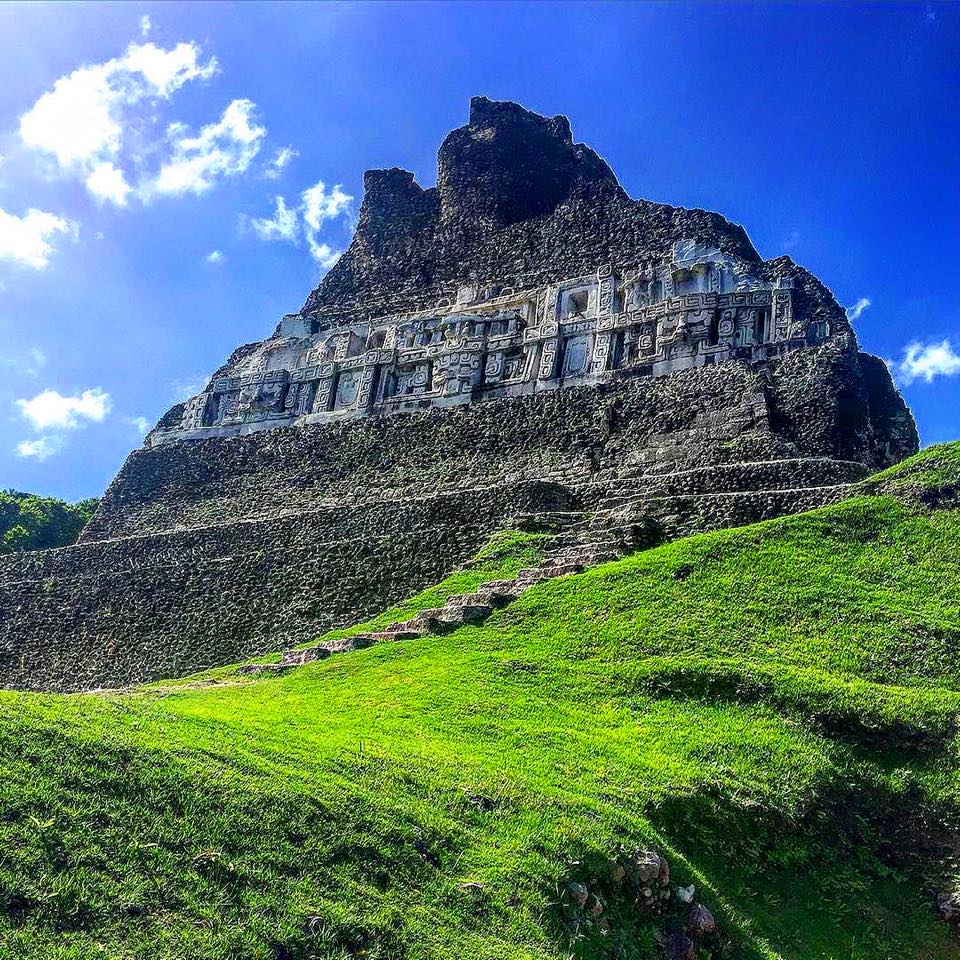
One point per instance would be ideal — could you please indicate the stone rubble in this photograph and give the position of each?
(640, 881)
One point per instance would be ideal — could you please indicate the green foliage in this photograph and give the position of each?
(28, 522)
(774, 707)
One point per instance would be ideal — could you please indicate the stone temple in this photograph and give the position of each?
(523, 343)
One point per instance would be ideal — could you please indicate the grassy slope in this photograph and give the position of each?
(775, 706)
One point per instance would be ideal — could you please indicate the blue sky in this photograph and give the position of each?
(152, 141)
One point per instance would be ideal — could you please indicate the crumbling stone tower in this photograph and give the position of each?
(523, 339)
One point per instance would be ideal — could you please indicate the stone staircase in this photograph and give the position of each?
(636, 510)
(572, 551)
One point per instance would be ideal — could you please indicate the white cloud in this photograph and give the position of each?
(221, 149)
(41, 448)
(98, 124)
(855, 312)
(77, 121)
(106, 182)
(26, 240)
(315, 208)
(140, 424)
(145, 25)
(279, 163)
(81, 120)
(165, 71)
(323, 253)
(928, 361)
(318, 205)
(51, 409)
(216, 256)
(90, 116)
(283, 225)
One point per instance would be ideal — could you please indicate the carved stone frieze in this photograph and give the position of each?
(698, 307)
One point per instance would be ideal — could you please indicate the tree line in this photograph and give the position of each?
(29, 522)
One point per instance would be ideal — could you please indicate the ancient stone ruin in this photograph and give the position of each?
(521, 344)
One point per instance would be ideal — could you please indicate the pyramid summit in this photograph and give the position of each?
(521, 344)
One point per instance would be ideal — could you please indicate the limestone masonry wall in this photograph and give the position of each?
(140, 608)
(569, 435)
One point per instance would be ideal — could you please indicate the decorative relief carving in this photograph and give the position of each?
(548, 360)
(262, 393)
(602, 352)
(576, 356)
(348, 387)
(493, 342)
(324, 390)
(605, 300)
(193, 412)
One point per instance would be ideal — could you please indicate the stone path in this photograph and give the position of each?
(573, 551)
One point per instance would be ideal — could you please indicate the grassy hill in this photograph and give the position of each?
(29, 522)
(773, 707)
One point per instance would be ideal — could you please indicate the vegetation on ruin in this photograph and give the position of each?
(503, 557)
(774, 707)
(29, 522)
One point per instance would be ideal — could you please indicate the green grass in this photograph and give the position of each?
(504, 556)
(775, 707)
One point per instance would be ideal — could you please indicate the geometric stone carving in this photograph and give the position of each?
(698, 307)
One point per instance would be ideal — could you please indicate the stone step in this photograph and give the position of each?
(641, 493)
(491, 598)
(583, 554)
(248, 668)
(602, 523)
(501, 590)
(496, 584)
(465, 613)
(827, 493)
(556, 519)
(591, 558)
(459, 609)
(467, 608)
(297, 658)
(750, 476)
(424, 617)
(586, 532)
(423, 623)
(501, 596)
(610, 516)
(357, 641)
(593, 540)
(563, 569)
(684, 514)
(547, 572)
(409, 631)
